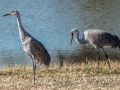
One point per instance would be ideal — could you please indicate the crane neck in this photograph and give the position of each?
(22, 31)
(80, 41)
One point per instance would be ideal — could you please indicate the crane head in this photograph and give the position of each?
(72, 33)
(13, 12)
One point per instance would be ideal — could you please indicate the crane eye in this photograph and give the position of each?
(12, 11)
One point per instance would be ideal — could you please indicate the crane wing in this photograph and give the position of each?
(38, 46)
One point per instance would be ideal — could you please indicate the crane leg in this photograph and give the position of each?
(34, 69)
(108, 61)
(98, 58)
(105, 54)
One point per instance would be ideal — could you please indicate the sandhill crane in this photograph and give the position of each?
(35, 49)
(98, 38)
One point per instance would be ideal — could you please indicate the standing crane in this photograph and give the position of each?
(98, 38)
(35, 49)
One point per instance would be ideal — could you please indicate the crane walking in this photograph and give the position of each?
(98, 38)
(35, 49)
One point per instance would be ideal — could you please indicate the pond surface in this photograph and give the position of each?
(50, 21)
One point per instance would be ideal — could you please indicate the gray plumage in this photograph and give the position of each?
(35, 49)
(98, 38)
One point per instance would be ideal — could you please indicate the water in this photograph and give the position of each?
(51, 22)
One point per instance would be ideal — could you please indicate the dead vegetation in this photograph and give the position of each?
(69, 77)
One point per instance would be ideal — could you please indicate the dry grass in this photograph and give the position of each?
(69, 77)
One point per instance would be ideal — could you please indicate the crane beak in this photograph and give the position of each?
(6, 14)
(71, 38)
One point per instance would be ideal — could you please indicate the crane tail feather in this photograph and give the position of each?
(116, 42)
